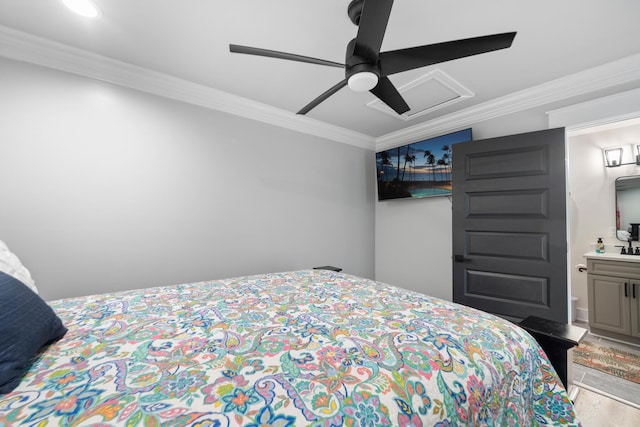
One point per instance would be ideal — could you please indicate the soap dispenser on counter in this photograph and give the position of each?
(600, 246)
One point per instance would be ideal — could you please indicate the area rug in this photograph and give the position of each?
(612, 361)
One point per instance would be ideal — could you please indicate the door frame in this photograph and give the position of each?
(581, 116)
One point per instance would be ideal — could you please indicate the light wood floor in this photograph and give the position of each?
(596, 410)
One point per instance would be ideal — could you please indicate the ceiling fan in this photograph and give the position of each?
(366, 68)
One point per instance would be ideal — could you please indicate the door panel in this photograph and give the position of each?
(528, 203)
(508, 245)
(509, 225)
(507, 163)
(507, 287)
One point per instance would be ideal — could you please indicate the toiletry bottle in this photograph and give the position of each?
(600, 246)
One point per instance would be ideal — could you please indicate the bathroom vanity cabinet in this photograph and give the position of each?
(613, 284)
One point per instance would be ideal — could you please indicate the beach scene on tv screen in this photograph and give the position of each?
(419, 169)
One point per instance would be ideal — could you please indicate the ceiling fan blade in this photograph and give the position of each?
(313, 104)
(281, 55)
(387, 93)
(396, 61)
(371, 28)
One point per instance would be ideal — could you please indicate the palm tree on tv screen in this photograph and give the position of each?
(408, 158)
(385, 160)
(447, 157)
(431, 161)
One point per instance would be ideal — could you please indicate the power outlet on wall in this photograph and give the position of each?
(612, 232)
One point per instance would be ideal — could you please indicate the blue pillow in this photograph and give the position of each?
(27, 324)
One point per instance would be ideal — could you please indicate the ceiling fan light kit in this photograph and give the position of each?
(363, 81)
(367, 69)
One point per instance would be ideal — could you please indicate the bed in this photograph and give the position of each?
(312, 347)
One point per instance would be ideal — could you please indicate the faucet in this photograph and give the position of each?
(630, 250)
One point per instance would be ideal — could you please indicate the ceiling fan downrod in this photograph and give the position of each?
(354, 11)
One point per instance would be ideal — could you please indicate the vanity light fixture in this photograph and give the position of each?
(613, 157)
(84, 8)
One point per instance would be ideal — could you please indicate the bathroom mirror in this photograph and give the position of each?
(628, 207)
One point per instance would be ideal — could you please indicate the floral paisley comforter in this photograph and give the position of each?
(314, 348)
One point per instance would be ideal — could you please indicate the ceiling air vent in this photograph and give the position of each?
(428, 93)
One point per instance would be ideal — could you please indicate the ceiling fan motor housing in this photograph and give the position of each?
(356, 63)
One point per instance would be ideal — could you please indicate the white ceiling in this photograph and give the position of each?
(187, 43)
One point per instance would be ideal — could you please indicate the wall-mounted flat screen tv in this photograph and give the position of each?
(420, 169)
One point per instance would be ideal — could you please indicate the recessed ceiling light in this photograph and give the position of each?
(83, 7)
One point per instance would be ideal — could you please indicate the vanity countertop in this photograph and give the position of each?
(613, 256)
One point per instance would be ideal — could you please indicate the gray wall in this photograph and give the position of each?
(104, 188)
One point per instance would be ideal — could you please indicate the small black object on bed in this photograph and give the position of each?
(328, 267)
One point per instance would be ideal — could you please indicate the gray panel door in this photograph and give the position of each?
(509, 225)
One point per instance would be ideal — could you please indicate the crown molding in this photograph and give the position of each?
(608, 111)
(25, 47)
(618, 72)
